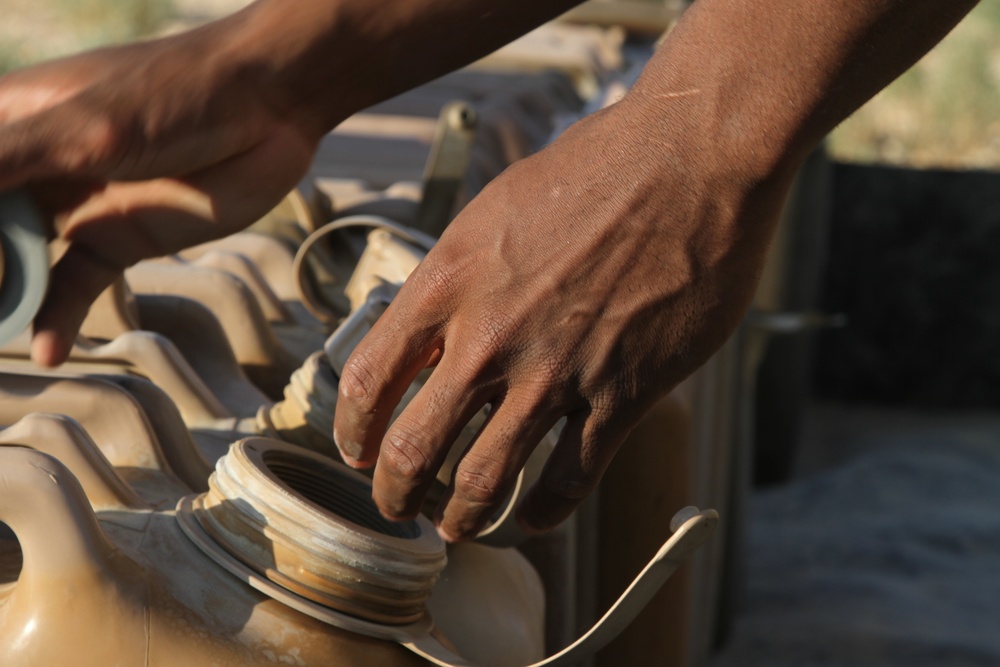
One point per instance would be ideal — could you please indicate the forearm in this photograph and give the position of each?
(765, 79)
(758, 84)
(325, 59)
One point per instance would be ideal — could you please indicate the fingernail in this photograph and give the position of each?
(44, 349)
(446, 536)
(349, 449)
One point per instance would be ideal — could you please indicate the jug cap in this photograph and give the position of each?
(24, 269)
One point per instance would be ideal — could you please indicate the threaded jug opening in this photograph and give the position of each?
(309, 524)
(348, 498)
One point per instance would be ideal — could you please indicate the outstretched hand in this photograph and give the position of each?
(136, 152)
(584, 283)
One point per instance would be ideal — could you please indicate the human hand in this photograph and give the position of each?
(585, 282)
(141, 150)
(138, 151)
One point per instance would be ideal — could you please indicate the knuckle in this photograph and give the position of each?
(406, 455)
(571, 488)
(552, 370)
(609, 415)
(613, 398)
(487, 346)
(604, 406)
(548, 386)
(437, 279)
(477, 488)
(493, 332)
(480, 356)
(480, 482)
(98, 142)
(360, 384)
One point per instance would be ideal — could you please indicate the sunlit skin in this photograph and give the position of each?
(585, 282)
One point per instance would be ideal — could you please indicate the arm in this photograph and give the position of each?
(140, 150)
(591, 278)
(585, 282)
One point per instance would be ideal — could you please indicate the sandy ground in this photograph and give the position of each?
(889, 558)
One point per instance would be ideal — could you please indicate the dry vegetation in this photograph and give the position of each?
(33, 30)
(944, 112)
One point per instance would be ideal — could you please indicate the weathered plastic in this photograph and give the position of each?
(100, 574)
(129, 588)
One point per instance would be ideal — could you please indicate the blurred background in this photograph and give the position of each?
(942, 113)
(873, 509)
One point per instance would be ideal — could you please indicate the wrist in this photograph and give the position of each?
(664, 182)
(297, 58)
(762, 83)
(322, 60)
(715, 127)
(687, 144)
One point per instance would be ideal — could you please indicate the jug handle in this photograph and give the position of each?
(63, 438)
(45, 506)
(692, 528)
(24, 263)
(307, 295)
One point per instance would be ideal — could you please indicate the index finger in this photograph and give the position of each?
(374, 379)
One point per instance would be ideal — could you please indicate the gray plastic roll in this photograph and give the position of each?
(25, 264)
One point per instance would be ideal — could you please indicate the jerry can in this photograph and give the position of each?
(99, 574)
(284, 559)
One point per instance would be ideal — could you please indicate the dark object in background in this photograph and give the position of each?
(791, 284)
(914, 263)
